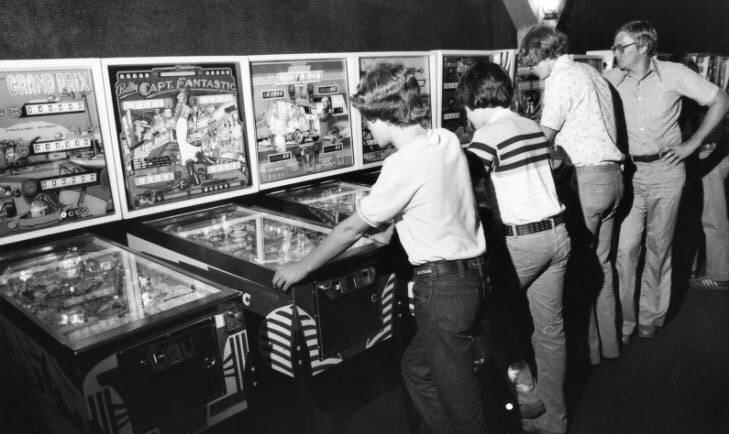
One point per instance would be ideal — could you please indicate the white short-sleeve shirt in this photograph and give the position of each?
(577, 103)
(425, 188)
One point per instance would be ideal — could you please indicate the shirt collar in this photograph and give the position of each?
(499, 113)
(654, 66)
(563, 61)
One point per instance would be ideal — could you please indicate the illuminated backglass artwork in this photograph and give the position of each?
(301, 116)
(53, 156)
(374, 152)
(180, 130)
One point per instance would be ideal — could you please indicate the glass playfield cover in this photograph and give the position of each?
(332, 201)
(263, 238)
(84, 290)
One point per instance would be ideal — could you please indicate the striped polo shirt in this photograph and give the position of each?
(516, 152)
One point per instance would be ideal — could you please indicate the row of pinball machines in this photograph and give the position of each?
(175, 331)
(90, 141)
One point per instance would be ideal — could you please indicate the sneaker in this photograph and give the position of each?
(647, 331)
(532, 427)
(530, 406)
(625, 339)
(531, 409)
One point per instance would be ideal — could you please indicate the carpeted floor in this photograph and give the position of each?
(676, 383)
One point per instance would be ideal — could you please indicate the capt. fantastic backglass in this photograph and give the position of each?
(180, 131)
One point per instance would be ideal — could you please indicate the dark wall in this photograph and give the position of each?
(683, 25)
(113, 28)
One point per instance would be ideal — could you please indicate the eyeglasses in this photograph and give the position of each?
(621, 47)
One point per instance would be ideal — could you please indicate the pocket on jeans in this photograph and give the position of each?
(456, 312)
(423, 289)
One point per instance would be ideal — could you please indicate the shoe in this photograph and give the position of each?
(520, 375)
(625, 339)
(646, 331)
(530, 426)
(531, 409)
(703, 282)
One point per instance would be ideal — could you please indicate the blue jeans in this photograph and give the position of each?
(540, 260)
(657, 190)
(437, 366)
(600, 190)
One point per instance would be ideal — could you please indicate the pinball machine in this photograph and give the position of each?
(96, 339)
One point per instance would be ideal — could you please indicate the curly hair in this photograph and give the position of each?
(391, 92)
(542, 42)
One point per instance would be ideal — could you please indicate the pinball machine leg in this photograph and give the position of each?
(303, 378)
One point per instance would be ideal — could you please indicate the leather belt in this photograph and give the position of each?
(440, 268)
(649, 158)
(534, 227)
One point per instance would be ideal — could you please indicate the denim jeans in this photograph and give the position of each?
(540, 260)
(657, 190)
(437, 366)
(600, 190)
(715, 221)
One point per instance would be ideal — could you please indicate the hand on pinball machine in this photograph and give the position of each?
(289, 274)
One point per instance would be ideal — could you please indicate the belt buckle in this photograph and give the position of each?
(423, 270)
(556, 220)
(553, 222)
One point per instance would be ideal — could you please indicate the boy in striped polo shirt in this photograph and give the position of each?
(516, 153)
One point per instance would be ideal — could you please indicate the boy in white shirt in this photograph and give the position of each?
(425, 188)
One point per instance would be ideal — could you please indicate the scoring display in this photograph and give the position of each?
(40, 109)
(69, 181)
